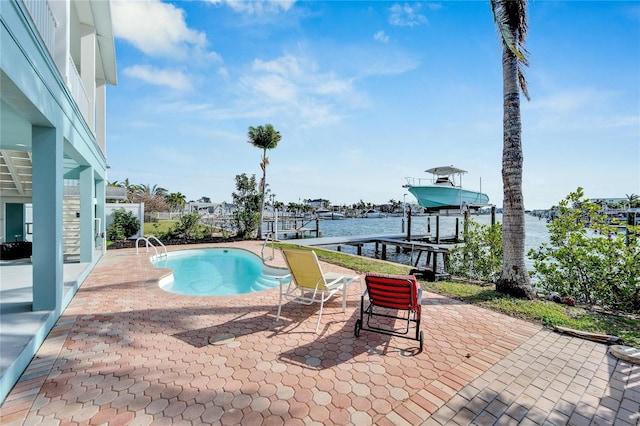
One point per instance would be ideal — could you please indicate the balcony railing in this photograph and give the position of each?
(44, 21)
(116, 193)
(71, 188)
(77, 89)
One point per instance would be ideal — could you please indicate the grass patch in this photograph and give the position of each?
(160, 227)
(544, 312)
(357, 263)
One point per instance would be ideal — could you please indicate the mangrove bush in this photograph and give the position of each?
(480, 257)
(590, 257)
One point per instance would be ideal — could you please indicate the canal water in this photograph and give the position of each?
(536, 232)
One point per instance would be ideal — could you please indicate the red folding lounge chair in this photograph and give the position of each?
(386, 293)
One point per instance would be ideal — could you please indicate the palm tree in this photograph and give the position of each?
(154, 191)
(131, 189)
(632, 198)
(511, 19)
(176, 200)
(263, 137)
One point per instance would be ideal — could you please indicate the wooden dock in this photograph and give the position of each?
(288, 227)
(435, 261)
(435, 246)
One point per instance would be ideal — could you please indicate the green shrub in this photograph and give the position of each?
(124, 225)
(480, 257)
(588, 259)
(246, 216)
(187, 227)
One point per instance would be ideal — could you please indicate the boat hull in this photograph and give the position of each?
(331, 216)
(374, 214)
(441, 197)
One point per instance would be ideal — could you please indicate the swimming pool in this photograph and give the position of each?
(217, 272)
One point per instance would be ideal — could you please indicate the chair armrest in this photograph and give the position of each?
(284, 278)
(336, 281)
(418, 289)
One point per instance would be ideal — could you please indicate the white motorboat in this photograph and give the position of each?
(329, 214)
(443, 190)
(374, 213)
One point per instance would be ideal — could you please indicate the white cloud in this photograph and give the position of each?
(223, 72)
(569, 100)
(275, 88)
(334, 86)
(381, 36)
(383, 62)
(578, 108)
(173, 79)
(287, 65)
(297, 82)
(406, 15)
(257, 7)
(156, 28)
(292, 87)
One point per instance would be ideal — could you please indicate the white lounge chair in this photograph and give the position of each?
(308, 284)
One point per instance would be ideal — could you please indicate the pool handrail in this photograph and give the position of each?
(270, 235)
(148, 243)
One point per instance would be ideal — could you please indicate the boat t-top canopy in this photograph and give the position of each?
(445, 171)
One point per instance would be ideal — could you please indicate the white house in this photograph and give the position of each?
(56, 60)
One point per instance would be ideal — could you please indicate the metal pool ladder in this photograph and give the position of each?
(270, 235)
(148, 243)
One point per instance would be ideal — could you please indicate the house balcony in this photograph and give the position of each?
(53, 20)
(74, 82)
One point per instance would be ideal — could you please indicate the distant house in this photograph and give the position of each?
(319, 202)
(608, 200)
(57, 59)
(214, 209)
(201, 207)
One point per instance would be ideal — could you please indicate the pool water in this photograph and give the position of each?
(217, 272)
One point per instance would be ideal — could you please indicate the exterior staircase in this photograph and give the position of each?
(71, 228)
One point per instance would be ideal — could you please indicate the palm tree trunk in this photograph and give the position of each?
(514, 279)
(264, 186)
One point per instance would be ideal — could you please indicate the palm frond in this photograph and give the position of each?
(264, 137)
(522, 81)
(510, 17)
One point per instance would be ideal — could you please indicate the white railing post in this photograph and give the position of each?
(77, 90)
(44, 21)
(275, 224)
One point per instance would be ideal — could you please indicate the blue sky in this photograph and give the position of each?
(368, 93)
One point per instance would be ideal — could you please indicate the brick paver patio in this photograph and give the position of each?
(126, 352)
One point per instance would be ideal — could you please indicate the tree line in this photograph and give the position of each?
(155, 198)
(159, 199)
